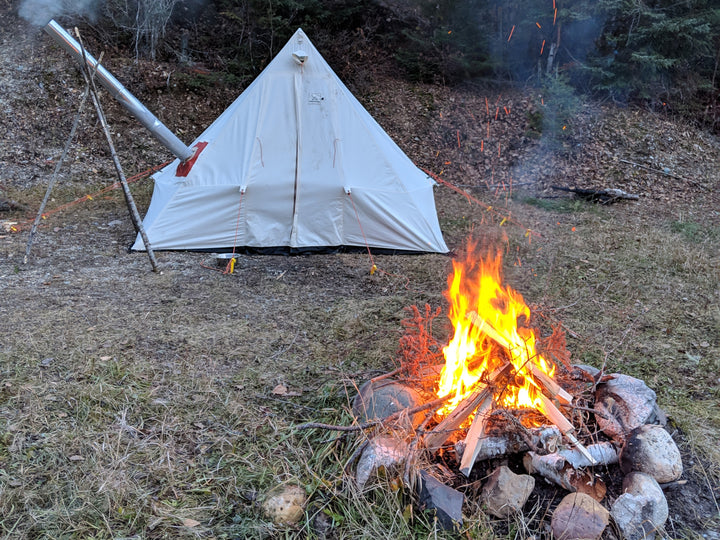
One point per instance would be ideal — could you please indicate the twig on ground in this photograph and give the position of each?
(633, 163)
(360, 427)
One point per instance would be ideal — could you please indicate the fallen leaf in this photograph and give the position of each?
(76, 458)
(280, 390)
(190, 522)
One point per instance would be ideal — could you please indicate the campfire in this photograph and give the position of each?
(501, 393)
(489, 347)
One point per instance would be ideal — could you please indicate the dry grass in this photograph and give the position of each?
(142, 405)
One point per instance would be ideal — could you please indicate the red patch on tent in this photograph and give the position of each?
(184, 168)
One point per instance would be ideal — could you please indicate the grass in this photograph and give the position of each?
(141, 406)
(694, 232)
(560, 205)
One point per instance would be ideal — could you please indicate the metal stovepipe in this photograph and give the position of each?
(119, 92)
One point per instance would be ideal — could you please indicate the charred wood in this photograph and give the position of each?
(603, 196)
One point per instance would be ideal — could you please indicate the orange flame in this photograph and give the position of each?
(485, 315)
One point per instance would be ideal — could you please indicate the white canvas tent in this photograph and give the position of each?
(297, 163)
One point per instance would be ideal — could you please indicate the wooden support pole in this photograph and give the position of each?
(58, 166)
(134, 214)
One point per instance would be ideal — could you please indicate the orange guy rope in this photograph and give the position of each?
(89, 197)
(511, 32)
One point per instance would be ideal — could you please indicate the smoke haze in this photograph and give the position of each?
(39, 12)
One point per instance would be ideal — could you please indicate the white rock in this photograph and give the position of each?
(625, 403)
(642, 509)
(650, 449)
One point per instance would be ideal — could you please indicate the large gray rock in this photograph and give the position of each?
(445, 502)
(579, 517)
(642, 509)
(381, 399)
(650, 449)
(506, 492)
(625, 403)
(381, 453)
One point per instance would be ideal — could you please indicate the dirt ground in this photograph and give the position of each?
(145, 404)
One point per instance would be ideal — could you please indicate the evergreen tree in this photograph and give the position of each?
(656, 50)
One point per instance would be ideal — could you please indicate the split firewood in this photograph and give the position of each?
(440, 433)
(476, 435)
(603, 196)
(553, 414)
(545, 439)
(553, 388)
(562, 468)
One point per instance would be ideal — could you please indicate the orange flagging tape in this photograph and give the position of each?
(22, 225)
(529, 233)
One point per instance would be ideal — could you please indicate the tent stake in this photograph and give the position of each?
(134, 214)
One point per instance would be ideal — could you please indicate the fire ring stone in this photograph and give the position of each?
(379, 400)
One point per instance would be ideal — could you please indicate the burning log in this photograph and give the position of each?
(440, 433)
(553, 414)
(475, 436)
(553, 388)
(546, 438)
